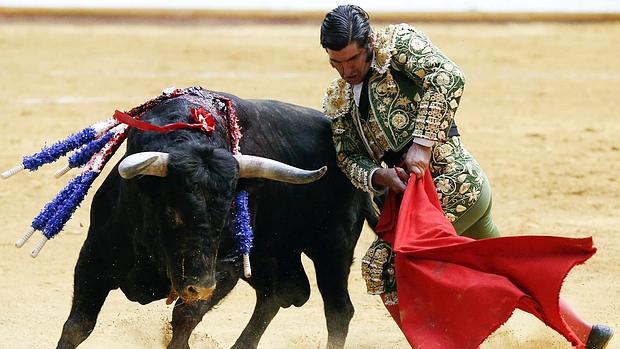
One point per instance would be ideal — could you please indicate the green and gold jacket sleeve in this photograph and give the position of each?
(351, 155)
(442, 81)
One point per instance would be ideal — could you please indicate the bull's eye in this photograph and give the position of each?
(174, 216)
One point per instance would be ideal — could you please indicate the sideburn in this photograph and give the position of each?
(369, 53)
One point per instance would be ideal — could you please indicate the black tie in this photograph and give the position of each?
(363, 108)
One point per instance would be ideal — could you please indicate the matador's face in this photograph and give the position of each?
(352, 62)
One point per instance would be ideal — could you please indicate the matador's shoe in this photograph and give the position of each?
(599, 337)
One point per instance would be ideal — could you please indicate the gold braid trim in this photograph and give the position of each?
(384, 47)
(337, 99)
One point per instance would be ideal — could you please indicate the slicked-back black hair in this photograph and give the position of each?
(343, 25)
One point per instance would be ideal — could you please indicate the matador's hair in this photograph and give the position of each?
(343, 25)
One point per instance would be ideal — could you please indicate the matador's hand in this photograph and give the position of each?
(417, 159)
(394, 178)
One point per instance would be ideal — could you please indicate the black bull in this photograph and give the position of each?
(153, 235)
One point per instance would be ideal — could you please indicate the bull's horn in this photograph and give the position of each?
(259, 167)
(150, 163)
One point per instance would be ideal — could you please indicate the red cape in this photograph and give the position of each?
(453, 291)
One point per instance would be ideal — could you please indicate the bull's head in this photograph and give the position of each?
(191, 204)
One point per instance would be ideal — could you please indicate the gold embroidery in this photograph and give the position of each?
(458, 177)
(380, 143)
(384, 47)
(381, 88)
(399, 120)
(337, 99)
(378, 268)
(403, 101)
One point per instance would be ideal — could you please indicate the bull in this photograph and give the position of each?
(160, 223)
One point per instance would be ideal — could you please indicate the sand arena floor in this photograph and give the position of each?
(539, 112)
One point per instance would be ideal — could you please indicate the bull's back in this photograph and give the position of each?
(297, 135)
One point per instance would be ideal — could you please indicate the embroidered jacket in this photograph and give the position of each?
(414, 91)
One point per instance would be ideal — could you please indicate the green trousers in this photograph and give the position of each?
(477, 221)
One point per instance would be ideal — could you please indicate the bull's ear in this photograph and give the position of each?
(145, 164)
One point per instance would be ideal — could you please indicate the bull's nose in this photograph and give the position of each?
(197, 292)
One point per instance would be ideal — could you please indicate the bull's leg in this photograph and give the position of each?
(90, 289)
(332, 272)
(185, 317)
(265, 310)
